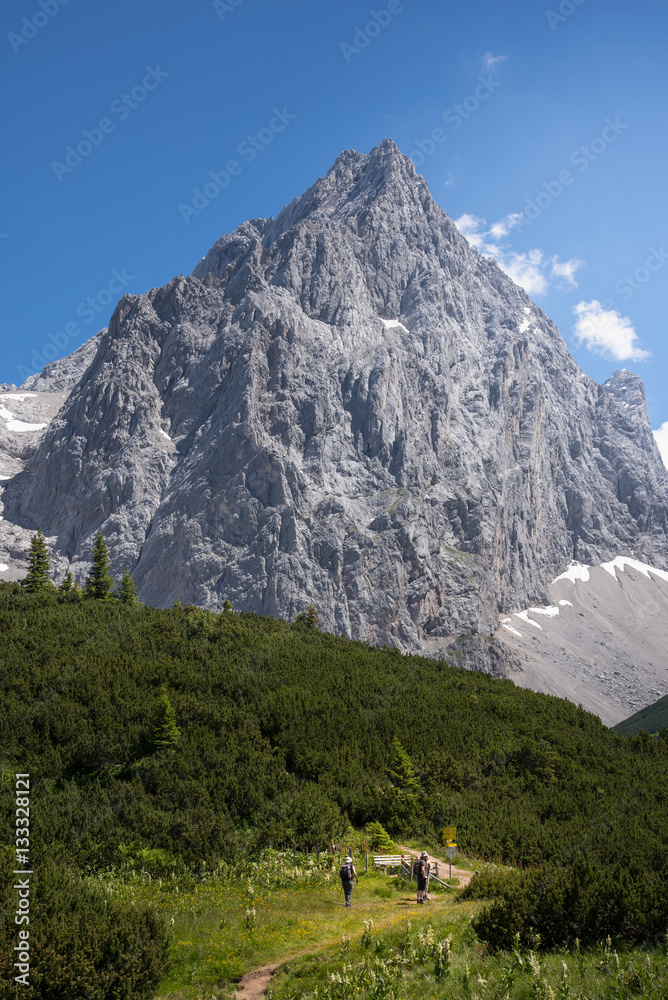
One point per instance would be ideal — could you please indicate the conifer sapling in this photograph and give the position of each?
(99, 582)
(167, 734)
(127, 590)
(38, 564)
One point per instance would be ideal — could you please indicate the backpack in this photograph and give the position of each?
(346, 873)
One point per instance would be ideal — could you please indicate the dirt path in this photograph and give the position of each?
(254, 984)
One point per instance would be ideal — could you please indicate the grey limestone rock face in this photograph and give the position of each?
(347, 406)
(62, 375)
(486, 654)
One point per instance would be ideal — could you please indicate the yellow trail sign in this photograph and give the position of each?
(449, 833)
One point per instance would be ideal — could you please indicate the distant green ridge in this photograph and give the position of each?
(652, 719)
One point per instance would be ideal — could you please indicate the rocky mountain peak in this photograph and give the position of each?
(346, 406)
(627, 388)
(63, 374)
(374, 195)
(353, 185)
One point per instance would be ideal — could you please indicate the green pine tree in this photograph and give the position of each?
(308, 619)
(127, 589)
(38, 564)
(67, 584)
(227, 606)
(379, 839)
(99, 582)
(167, 734)
(401, 770)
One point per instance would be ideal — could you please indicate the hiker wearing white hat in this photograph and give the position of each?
(422, 872)
(347, 875)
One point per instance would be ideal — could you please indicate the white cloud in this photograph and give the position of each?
(607, 332)
(489, 61)
(566, 269)
(661, 438)
(502, 228)
(471, 227)
(533, 271)
(526, 271)
(450, 179)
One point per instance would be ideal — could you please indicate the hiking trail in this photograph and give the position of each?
(254, 984)
(463, 876)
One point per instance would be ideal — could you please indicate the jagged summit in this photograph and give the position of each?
(353, 184)
(372, 194)
(347, 406)
(627, 388)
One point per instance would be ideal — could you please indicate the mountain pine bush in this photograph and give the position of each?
(83, 946)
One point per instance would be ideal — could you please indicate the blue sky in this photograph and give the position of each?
(540, 126)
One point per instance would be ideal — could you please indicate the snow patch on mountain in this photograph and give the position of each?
(621, 562)
(602, 646)
(576, 571)
(394, 324)
(18, 426)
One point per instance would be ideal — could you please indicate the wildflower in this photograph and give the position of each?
(534, 964)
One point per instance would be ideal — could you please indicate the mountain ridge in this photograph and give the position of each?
(347, 405)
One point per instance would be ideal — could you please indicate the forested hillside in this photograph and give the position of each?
(191, 736)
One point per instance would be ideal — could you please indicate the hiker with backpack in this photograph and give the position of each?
(347, 875)
(422, 872)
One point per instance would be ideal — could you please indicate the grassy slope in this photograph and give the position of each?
(651, 719)
(403, 959)
(212, 944)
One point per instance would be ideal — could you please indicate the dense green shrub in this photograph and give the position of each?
(82, 945)
(491, 882)
(556, 906)
(274, 733)
(379, 839)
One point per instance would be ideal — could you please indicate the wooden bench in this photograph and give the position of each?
(404, 861)
(392, 861)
